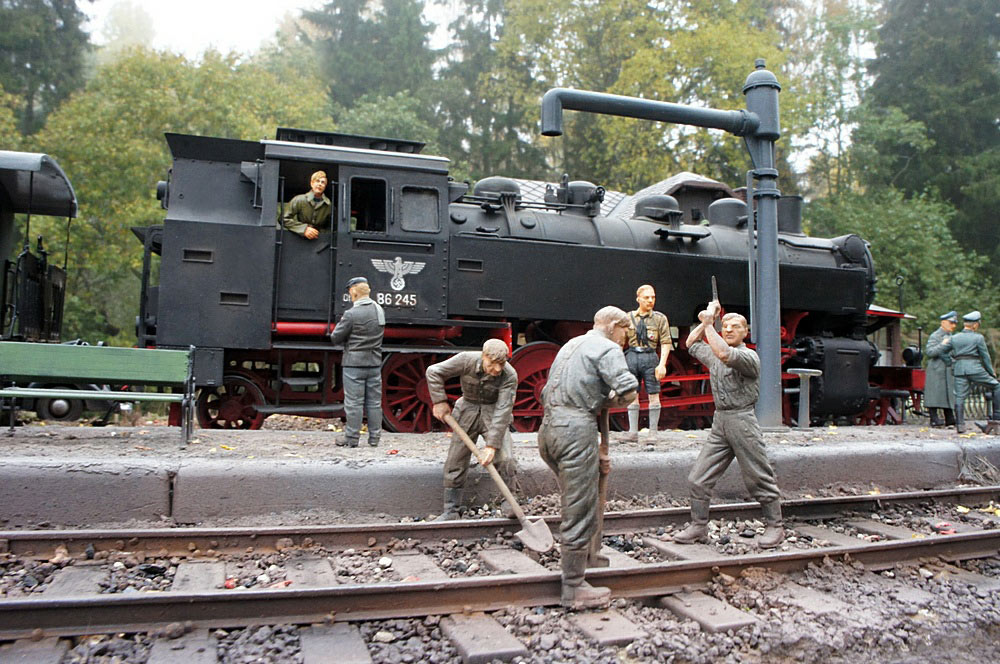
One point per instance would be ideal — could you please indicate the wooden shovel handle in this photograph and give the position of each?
(493, 471)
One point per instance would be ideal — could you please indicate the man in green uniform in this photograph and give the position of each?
(939, 388)
(588, 375)
(734, 372)
(650, 332)
(307, 213)
(972, 365)
(485, 409)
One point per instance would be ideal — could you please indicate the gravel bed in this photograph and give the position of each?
(110, 649)
(266, 644)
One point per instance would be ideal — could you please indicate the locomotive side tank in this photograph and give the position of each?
(514, 259)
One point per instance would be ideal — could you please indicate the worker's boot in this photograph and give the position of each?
(697, 530)
(633, 424)
(960, 417)
(577, 593)
(774, 530)
(594, 556)
(936, 417)
(507, 510)
(949, 417)
(989, 426)
(452, 501)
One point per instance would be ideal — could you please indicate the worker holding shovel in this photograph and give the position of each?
(588, 375)
(485, 409)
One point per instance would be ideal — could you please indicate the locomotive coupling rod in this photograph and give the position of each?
(739, 122)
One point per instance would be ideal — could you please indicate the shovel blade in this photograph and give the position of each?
(535, 535)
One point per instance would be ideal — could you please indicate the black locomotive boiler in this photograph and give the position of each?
(523, 261)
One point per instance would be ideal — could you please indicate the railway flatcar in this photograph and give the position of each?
(452, 264)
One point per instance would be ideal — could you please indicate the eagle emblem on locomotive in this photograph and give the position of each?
(397, 269)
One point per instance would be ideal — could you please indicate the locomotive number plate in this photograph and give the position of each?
(401, 300)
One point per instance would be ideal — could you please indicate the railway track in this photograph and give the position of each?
(421, 587)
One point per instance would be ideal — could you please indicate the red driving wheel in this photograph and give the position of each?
(532, 362)
(232, 405)
(406, 402)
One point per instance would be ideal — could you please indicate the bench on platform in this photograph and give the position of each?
(37, 362)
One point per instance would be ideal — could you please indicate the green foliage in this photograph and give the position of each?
(10, 139)
(371, 48)
(42, 59)
(696, 53)
(937, 63)
(109, 140)
(909, 238)
(399, 116)
(486, 122)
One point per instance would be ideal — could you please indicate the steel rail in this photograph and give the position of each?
(146, 611)
(183, 541)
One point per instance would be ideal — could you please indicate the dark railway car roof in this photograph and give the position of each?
(35, 183)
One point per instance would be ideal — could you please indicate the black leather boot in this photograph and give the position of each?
(949, 417)
(960, 417)
(936, 417)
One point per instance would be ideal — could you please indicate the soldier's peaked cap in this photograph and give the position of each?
(972, 317)
(354, 281)
(951, 315)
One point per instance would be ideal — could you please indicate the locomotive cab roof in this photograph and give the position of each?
(35, 184)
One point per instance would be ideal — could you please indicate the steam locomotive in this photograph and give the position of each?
(523, 261)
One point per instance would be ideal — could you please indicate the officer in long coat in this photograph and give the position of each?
(486, 408)
(939, 388)
(972, 365)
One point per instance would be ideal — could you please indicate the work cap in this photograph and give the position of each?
(951, 315)
(354, 281)
(972, 317)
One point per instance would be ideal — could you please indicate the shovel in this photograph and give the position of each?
(533, 534)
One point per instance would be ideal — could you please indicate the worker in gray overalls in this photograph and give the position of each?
(734, 372)
(973, 365)
(485, 409)
(588, 375)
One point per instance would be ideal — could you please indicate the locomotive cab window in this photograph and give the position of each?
(368, 205)
(418, 209)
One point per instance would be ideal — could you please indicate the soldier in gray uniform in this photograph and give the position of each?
(972, 365)
(734, 372)
(485, 409)
(588, 374)
(360, 331)
(939, 390)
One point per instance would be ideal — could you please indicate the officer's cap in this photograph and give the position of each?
(951, 315)
(354, 281)
(972, 317)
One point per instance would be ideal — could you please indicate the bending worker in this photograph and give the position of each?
(588, 375)
(649, 333)
(734, 372)
(485, 409)
(972, 365)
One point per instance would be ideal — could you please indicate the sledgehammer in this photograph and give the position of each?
(533, 534)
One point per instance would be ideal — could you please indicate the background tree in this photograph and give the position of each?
(480, 108)
(127, 26)
(937, 63)
(370, 48)
(109, 140)
(43, 54)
